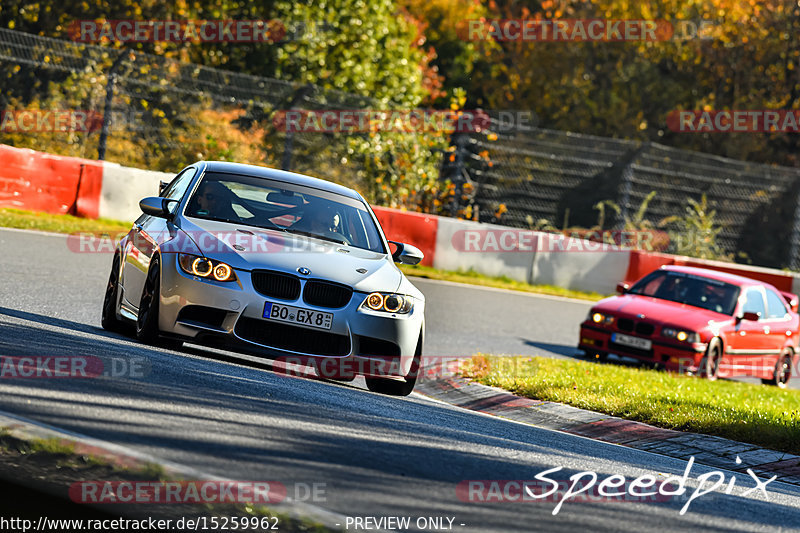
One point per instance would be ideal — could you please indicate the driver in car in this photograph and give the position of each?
(322, 221)
(212, 199)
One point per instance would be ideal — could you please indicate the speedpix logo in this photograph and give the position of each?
(588, 486)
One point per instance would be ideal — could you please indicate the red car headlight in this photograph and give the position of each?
(600, 318)
(680, 334)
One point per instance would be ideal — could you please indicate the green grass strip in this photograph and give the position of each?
(17, 218)
(757, 414)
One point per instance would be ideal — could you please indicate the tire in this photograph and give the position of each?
(147, 321)
(710, 364)
(783, 371)
(109, 319)
(393, 387)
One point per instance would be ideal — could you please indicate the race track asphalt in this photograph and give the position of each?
(375, 455)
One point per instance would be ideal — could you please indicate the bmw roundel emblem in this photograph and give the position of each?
(304, 271)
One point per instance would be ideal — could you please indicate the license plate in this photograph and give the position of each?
(297, 315)
(633, 342)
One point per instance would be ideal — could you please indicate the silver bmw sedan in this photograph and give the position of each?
(272, 263)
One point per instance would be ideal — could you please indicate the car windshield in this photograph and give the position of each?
(277, 205)
(690, 289)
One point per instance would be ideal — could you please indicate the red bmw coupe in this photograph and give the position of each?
(699, 321)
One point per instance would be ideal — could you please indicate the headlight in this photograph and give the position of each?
(600, 318)
(203, 267)
(681, 335)
(389, 302)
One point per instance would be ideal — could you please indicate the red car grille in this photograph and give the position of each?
(642, 328)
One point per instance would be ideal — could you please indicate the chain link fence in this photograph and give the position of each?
(149, 111)
(539, 177)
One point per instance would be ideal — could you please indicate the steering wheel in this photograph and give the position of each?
(337, 236)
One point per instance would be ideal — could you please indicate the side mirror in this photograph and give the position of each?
(406, 254)
(750, 315)
(791, 299)
(162, 186)
(155, 206)
(623, 287)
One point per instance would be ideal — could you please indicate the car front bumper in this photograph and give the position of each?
(371, 342)
(681, 358)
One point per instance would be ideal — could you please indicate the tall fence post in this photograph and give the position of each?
(627, 185)
(112, 79)
(288, 145)
(458, 173)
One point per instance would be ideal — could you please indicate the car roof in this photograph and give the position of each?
(279, 175)
(715, 274)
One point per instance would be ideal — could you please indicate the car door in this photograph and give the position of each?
(750, 340)
(778, 330)
(147, 233)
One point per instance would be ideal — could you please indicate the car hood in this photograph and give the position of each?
(661, 311)
(247, 248)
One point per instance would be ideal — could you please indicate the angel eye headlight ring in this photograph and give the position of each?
(202, 267)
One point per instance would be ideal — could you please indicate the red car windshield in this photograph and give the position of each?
(689, 289)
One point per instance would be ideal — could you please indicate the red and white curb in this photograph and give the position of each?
(706, 449)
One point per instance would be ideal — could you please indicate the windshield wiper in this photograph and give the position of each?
(315, 235)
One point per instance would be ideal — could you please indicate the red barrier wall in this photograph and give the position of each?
(412, 228)
(38, 181)
(642, 263)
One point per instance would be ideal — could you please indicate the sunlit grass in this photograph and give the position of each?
(17, 218)
(758, 414)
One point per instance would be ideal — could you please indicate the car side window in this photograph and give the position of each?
(775, 305)
(754, 303)
(178, 187)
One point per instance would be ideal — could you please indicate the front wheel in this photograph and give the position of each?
(393, 387)
(782, 372)
(711, 362)
(147, 321)
(109, 319)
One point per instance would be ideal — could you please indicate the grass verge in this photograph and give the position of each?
(16, 218)
(757, 414)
